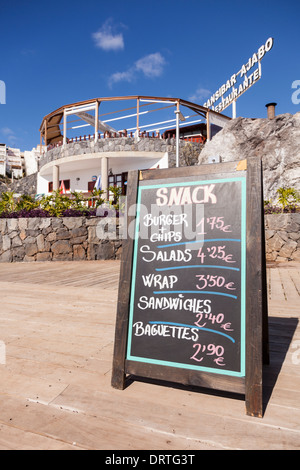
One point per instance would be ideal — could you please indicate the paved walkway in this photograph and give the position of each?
(56, 346)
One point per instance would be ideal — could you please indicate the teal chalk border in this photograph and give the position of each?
(242, 372)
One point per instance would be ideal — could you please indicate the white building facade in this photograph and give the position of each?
(11, 161)
(16, 164)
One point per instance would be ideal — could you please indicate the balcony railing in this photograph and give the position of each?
(113, 135)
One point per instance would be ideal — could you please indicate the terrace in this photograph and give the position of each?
(54, 127)
(111, 120)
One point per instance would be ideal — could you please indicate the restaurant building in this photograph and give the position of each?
(102, 139)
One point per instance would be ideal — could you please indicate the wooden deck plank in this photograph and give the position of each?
(198, 417)
(71, 426)
(12, 438)
(63, 273)
(57, 322)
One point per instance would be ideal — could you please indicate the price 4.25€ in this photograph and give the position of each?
(215, 252)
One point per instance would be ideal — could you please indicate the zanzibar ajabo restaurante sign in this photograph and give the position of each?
(239, 82)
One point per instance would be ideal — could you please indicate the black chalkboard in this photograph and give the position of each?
(184, 303)
(188, 282)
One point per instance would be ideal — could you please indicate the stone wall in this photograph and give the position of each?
(96, 238)
(59, 239)
(189, 152)
(282, 237)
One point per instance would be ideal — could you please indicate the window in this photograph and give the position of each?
(119, 180)
(91, 185)
(66, 183)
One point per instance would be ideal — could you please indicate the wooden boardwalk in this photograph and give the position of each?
(56, 346)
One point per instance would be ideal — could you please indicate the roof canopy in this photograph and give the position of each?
(51, 131)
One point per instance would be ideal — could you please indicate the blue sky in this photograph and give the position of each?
(60, 52)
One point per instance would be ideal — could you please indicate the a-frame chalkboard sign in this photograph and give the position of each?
(192, 306)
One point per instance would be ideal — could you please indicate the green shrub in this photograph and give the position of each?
(96, 197)
(27, 202)
(56, 203)
(117, 192)
(78, 202)
(288, 198)
(8, 202)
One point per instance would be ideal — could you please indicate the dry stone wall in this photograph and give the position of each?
(96, 238)
(59, 239)
(189, 151)
(282, 237)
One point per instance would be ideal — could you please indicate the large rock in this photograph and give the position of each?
(61, 247)
(276, 141)
(3, 187)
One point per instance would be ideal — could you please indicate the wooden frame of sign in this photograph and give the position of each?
(192, 306)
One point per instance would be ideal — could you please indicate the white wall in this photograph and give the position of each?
(85, 175)
(2, 168)
(30, 160)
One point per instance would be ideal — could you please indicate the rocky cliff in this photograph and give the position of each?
(26, 185)
(276, 141)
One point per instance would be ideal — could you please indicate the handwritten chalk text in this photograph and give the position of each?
(186, 195)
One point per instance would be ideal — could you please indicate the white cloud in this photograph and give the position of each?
(6, 131)
(151, 66)
(127, 76)
(107, 39)
(200, 94)
(9, 135)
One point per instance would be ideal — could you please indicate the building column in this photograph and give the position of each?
(207, 126)
(104, 176)
(65, 128)
(55, 177)
(177, 112)
(97, 121)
